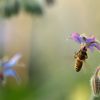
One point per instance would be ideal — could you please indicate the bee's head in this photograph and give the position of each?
(84, 49)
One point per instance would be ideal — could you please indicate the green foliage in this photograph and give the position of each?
(33, 9)
(96, 98)
(11, 9)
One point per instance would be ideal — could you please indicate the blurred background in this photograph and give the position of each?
(38, 29)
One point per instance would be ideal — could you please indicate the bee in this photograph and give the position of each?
(80, 57)
(85, 44)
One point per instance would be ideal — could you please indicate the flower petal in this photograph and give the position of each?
(97, 45)
(88, 40)
(91, 48)
(76, 37)
(13, 61)
(11, 72)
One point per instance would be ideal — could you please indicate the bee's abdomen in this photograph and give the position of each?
(78, 65)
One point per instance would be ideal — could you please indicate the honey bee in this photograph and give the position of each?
(80, 57)
(86, 42)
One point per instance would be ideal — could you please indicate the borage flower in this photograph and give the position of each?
(6, 68)
(89, 41)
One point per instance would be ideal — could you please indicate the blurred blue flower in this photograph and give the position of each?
(6, 68)
(89, 41)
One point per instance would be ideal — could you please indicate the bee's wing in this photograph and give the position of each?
(13, 61)
(87, 67)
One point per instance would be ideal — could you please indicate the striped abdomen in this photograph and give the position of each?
(78, 65)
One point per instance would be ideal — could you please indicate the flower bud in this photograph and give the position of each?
(95, 82)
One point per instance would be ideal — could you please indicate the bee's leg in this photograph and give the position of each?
(75, 55)
(86, 56)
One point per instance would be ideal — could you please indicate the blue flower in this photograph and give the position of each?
(7, 68)
(89, 41)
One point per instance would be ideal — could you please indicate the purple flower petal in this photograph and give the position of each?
(88, 40)
(91, 48)
(96, 45)
(76, 37)
(82, 38)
